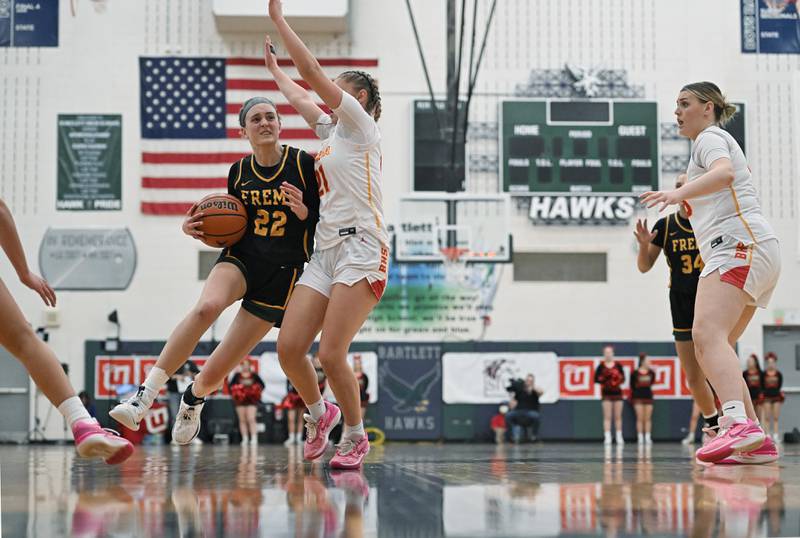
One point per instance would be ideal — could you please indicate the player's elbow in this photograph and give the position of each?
(310, 69)
(728, 175)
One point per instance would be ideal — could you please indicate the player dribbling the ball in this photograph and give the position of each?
(276, 184)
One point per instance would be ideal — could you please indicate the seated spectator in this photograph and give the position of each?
(524, 411)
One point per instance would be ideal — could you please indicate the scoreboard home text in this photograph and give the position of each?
(551, 146)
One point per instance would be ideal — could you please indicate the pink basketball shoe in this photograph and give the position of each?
(733, 437)
(92, 441)
(766, 453)
(350, 454)
(317, 432)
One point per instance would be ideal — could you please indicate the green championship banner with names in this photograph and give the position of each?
(89, 162)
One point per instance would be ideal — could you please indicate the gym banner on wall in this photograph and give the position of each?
(24, 23)
(483, 378)
(576, 377)
(89, 162)
(770, 26)
(410, 401)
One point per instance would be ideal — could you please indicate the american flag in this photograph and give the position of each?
(190, 123)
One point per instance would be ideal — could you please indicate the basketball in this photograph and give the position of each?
(224, 222)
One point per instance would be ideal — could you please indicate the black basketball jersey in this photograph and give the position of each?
(274, 232)
(675, 236)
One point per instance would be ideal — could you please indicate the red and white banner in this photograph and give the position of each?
(576, 377)
(112, 371)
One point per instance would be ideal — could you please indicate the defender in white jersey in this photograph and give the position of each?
(347, 274)
(742, 264)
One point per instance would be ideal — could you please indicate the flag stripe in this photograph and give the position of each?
(283, 109)
(166, 208)
(190, 158)
(324, 62)
(286, 134)
(184, 182)
(254, 84)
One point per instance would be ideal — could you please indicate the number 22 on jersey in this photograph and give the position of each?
(269, 225)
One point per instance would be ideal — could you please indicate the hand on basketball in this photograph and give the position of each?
(294, 199)
(40, 286)
(643, 234)
(192, 223)
(665, 198)
(270, 60)
(275, 10)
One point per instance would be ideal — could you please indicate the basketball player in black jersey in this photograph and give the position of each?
(278, 188)
(673, 236)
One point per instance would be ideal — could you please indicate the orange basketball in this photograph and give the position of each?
(224, 220)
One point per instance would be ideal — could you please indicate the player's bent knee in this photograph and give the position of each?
(21, 343)
(207, 311)
(289, 352)
(329, 358)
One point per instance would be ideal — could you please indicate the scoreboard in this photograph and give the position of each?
(579, 146)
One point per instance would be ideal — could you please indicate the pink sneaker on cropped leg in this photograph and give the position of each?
(733, 437)
(766, 453)
(317, 433)
(350, 453)
(92, 441)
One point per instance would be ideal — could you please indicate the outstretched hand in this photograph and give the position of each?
(294, 199)
(270, 59)
(275, 10)
(40, 286)
(665, 198)
(643, 234)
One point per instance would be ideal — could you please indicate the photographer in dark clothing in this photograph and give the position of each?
(524, 411)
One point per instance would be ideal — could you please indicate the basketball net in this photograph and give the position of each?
(455, 264)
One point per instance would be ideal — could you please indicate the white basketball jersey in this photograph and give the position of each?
(349, 176)
(733, 211)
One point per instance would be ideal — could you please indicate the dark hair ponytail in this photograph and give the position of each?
(364, 81)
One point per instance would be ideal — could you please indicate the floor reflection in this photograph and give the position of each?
(425, 490)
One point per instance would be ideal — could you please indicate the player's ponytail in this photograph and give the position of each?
(709, 92)
(364, 81)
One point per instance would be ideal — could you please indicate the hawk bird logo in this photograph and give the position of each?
(409, 397)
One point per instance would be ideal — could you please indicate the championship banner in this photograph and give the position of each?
(24, 23)
(770, 27)
(113, 371)
(483, 378)
(89, 162)
(275, 379)
(576, 377)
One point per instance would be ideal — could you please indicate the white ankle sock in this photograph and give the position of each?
(353, 432)
(735, 410)
(298, 437)
(156, 378)
(73, 410)
(316, 410)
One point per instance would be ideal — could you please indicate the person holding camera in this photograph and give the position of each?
(524, 411)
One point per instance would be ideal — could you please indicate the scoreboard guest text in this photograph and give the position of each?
(597, 146)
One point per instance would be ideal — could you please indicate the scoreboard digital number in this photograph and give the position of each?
(579, 146)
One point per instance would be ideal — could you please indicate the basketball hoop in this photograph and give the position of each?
(455, 264)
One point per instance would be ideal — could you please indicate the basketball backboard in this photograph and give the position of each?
(433, 225)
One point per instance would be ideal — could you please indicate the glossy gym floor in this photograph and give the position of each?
(409, 490)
